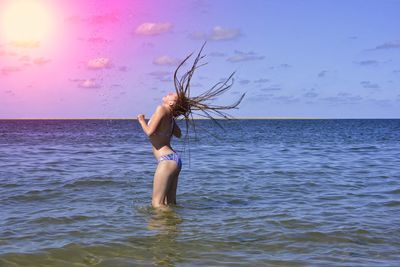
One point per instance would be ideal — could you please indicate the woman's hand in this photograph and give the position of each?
(140, 118)
(155, 120)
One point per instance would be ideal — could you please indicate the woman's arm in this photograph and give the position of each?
(155, 121)
(177, 130)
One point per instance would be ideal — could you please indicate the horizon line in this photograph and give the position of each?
(235, 118)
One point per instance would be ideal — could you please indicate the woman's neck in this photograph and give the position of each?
(168, 107)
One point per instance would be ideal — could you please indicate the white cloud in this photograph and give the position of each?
(123, 68)
(367, 62)
(272, 88)
(149, 28)
(388, 45)
(100, 19)
(217, 54)
(98, 40)
(111, 17)
(99, 63)
(89, 83)
(261, 80)
(369, 85)
(9, 92)
(162, 76)
(322, 73)
(25, 58)
(310, 94)
(244, 82)
(25, 44)
(41, 61)
(218, 33)
(243, 56)
(9, 69)
(166, 60)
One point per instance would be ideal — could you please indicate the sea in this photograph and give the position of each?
(273, 192)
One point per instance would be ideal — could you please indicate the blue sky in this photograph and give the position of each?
(313, 59)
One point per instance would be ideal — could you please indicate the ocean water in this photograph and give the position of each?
(258, 193)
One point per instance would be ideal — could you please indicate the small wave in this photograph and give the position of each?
(35, 195)
(237, 202)
(320, 237)
(394, 192)
(145, 209)
(286, 173)
(362, 232)
(89, 182)
(392, 203)
(11, 185)
(331, 197)
(91, 259)
(61, 220)
(363, 148)
(297, 224)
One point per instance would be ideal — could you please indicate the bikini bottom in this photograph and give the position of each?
(172, 156)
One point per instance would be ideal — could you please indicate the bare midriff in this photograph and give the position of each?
(161, 144)
(160, 148)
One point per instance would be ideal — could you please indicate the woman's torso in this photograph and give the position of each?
(161, 138)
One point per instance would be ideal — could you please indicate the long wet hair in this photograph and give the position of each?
(187, 106)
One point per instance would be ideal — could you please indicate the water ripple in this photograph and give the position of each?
(269, 193)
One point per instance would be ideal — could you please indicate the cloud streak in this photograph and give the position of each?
(262, 80)
(388, 45)
(218, 33)
(271, 88)
(369, 85)
(322, 73)
(244, 82)
(166, 61)
(162, 76)
(41, 61)
(10, 69)
(310, 94)
(25, 44)
(152, 28)
(244, 56)
(367, 62)
(89, 83)
(106, 18)
(342, 98)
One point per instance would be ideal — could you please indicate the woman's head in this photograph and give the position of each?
(178, 103)
(170, 99)
(181, 106)
(184, 104)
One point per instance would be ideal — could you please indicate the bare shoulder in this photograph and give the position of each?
(161, 110)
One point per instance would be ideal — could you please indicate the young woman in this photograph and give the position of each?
(162, 126)
(160, 129)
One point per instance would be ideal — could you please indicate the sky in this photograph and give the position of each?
(116, 58)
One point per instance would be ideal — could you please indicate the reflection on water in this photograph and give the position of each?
(165, 223)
